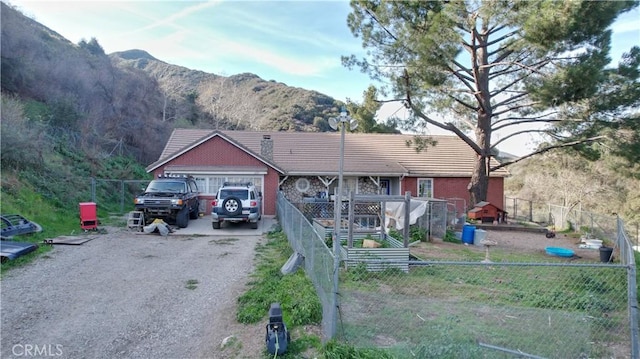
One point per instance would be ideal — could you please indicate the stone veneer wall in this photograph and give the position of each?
(365, 186)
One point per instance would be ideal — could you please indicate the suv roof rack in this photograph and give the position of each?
(173, 176)
(237, 184)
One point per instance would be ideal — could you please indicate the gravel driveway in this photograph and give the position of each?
(126, 295)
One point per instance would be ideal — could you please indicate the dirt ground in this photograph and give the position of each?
(145, 278)
(126, 295)
(515, 242)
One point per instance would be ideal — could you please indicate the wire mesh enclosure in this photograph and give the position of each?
(465, 306)
(368, 215)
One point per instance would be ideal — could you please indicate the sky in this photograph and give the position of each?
(298, 43)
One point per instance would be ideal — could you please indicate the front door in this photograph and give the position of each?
(385, 187)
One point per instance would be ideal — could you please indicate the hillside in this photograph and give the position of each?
(132, 100)
(71, 113)
(242, 101)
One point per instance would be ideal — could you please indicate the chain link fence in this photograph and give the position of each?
(474, 310)
(562, 218)
(115, 195)
(368, 214)
(466, 306)
(559, 217)
(318, 258)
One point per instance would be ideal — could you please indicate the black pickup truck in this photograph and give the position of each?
(174, 199)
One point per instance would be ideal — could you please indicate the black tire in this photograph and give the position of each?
(194, 213)
(216, 225)
(254, 225)
(232, 206)
(182, 219)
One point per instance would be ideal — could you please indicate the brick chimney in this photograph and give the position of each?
(266, 147)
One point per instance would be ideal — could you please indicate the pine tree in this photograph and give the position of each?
(475, 67)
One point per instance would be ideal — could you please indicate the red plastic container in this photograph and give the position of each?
(88, 216)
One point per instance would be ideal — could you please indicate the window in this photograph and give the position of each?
(425, 187)
(193, 186)
(240, 193)
(385, 187)
(215, 183)
(166, 186)
(211, 184)
(349, 184)
(302, 185)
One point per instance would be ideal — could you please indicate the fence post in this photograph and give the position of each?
(337, 224)
(633, 311)
(429, 219)
(625, 243)
(121, 196)
(407, 218)
(351, 218)
(93, 190)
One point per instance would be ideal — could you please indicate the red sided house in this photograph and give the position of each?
(306, 164)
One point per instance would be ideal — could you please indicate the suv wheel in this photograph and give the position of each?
(216, 225)
(182, 219)
(232, 206)
(254, 225)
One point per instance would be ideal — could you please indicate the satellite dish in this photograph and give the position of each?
(353, 125)
(333, 123)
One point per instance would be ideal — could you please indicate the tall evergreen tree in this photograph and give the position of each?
(476, 67)
(365, 114)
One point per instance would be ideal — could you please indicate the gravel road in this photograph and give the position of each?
(126, 295)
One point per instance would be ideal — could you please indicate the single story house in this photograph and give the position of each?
(306, 164)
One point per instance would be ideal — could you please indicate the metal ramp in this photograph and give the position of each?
(135, 221)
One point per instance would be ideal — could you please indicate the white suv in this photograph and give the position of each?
(237, 202)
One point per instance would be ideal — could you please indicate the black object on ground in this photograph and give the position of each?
(277, 337)
(606, 254)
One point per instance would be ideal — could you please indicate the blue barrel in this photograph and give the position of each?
(468, 233)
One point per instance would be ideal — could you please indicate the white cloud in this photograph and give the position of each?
(171, 19)
(283, 62)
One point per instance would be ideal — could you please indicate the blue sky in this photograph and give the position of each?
(295, 42)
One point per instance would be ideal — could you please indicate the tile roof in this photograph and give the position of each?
(318, 153)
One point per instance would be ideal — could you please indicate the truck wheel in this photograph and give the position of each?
(182, 219)
(194, 213)
(254, 225)
(216, 225)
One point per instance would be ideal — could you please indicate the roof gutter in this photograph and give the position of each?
(346, 174)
